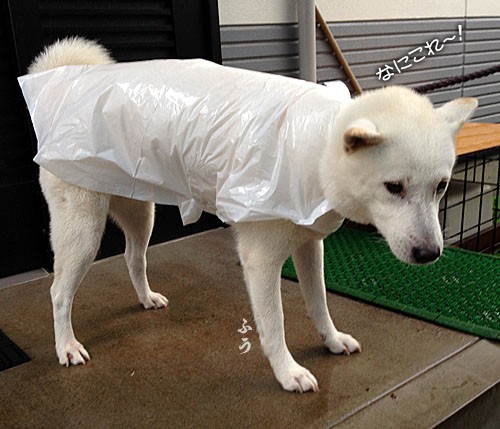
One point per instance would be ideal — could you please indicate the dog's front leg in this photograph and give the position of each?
(262, 255)
(308, 261)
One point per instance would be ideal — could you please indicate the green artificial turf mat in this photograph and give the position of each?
(461, 290)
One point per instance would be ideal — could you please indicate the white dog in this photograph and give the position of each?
(388, 162)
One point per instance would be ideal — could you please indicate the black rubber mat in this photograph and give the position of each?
(10, 354)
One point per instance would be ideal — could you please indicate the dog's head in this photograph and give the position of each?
(390, 166)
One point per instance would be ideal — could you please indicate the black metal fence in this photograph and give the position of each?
(470, 210)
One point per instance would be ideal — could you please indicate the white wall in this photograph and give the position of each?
(483, 8)
(355, 10)
(237, 12)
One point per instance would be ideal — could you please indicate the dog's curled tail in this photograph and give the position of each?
(70, 51)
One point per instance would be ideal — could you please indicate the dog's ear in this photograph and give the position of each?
(458, 111)
(360, 134)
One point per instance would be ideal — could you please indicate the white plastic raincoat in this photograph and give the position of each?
(240, 144)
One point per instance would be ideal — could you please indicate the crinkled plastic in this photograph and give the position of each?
(240, 144)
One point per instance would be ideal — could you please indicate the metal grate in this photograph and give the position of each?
(10, 354)
(470, 210)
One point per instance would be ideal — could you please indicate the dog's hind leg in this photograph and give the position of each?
(136, 218)
(308, 261)
(78, 218)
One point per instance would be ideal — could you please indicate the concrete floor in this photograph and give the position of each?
(181, 367)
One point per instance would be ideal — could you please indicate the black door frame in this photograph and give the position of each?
(196, 35)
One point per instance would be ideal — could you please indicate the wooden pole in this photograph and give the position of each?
(338, 52)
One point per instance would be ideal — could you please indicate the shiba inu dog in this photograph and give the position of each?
(388, 162)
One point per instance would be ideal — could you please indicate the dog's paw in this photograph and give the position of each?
(154, 300)
(73, 354)
(298, 379)
(342, 343)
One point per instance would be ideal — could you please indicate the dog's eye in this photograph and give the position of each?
(441, 187)
(395, 188)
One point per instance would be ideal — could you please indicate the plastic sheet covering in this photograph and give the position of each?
(240, 144)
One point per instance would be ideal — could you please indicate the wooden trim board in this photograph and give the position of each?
(475, 136)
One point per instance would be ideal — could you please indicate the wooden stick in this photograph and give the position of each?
(338, 52)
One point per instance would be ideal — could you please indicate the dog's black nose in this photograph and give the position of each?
(424, 255)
